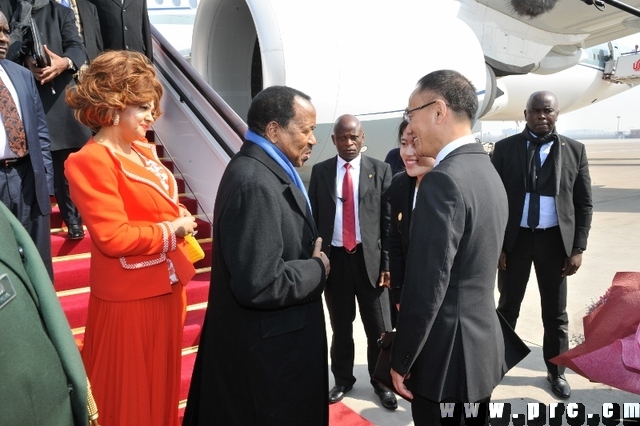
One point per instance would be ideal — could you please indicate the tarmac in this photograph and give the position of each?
(612, 247)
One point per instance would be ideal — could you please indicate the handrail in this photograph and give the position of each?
(224, 110)
(199, 132)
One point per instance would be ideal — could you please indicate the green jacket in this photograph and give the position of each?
(42, 379)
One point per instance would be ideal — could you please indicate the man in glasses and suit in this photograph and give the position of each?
(449, 344)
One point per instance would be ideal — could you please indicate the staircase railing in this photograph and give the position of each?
(199, 131)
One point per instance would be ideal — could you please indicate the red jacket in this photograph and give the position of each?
(127, 209)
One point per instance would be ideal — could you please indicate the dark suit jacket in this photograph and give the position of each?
(448, 333)
(35, 127)
(394, 160)
(43, 379)
(400, 198)
(90, 28)
(60, 34)
(263, 350)
(375, 178)
(573, 201)
(122, 30)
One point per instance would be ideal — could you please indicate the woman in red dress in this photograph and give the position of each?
(139, 260)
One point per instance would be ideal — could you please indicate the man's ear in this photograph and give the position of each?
(271, 132)
(441, 111)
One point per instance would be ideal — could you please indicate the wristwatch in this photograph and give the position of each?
(579, 249)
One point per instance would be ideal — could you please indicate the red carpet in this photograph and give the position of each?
(340, 414)
(71, 276)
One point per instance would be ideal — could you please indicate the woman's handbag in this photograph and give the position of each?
(195, 251)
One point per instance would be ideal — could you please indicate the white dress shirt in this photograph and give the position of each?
(451, 146)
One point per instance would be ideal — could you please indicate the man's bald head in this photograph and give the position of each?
(348, 136)
(541, 113)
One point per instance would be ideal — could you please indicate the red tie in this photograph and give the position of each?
(348, 212)
(12, 123)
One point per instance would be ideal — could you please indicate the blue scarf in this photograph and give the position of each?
(279, 157)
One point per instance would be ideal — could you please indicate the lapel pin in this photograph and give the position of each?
(399, 216)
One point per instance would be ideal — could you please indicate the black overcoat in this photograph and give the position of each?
(263, 351)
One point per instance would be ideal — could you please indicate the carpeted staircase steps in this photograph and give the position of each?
(71, 263)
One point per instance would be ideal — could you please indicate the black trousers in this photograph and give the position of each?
(68, 210)
(347, 282)
(545, 251)
(18, 194)
(427, 413)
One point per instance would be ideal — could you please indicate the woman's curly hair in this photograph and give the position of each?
(113, 81)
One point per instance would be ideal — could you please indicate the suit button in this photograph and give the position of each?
(125, 28)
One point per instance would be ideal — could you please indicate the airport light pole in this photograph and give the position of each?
(618, 128)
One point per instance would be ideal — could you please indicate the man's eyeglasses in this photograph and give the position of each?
(406, 113)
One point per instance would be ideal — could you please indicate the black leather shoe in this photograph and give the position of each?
(387, 398)
(337, 393)
(76, 232)
(559, 385)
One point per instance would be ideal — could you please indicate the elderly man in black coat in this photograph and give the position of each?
(263, 351)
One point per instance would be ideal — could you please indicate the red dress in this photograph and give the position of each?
(133, 338)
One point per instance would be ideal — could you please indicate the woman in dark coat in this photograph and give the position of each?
(401, 196)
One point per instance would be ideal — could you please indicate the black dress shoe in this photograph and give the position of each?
(387, 398)
(76, 232)
(559, 385)
(337, 393)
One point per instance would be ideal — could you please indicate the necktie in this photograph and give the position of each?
(533, 217)
(348, 212)
(12, 122)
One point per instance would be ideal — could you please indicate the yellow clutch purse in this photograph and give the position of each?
(195, 251)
